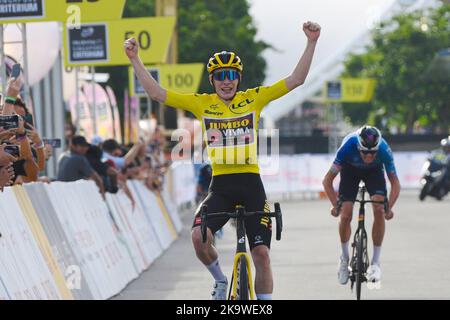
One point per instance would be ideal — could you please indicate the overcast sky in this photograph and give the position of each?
(279, 23)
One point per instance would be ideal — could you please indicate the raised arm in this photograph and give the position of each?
(131, 155)
(12, 91)
(298, 76)
(38, 146)
(153, 89)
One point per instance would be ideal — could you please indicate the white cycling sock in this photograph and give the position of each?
(345, 254)
(216, 272)
(376, 255)
(264, 296)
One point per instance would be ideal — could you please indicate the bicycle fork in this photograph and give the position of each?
(241, 251)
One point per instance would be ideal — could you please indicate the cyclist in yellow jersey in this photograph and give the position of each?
(230, 122)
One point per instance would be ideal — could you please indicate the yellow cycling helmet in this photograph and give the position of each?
(224, 59)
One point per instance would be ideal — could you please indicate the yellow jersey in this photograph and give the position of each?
(230, 131)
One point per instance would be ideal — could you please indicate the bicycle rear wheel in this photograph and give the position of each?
(242, 277)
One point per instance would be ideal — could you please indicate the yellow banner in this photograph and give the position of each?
(183, 78)
(101, 44)
(68, 11)
(44, 245)
(166, 215)
(350, 90)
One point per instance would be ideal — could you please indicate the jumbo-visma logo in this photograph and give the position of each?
(240, 107)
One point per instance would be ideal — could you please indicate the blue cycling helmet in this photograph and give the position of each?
(369, 138)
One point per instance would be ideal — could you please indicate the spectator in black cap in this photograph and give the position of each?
(73, 165)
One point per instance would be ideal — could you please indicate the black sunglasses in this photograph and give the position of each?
(222, 74)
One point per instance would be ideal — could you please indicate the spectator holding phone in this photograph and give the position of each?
(31, 159)
(12, 92)
(21, 109)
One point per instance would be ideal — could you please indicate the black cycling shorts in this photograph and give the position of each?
(350, 177)
(246, 189)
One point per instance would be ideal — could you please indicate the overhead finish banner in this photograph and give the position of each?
(183, 78)
(70, 11)
(101, 44)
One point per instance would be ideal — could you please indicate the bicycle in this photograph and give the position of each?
(241, 287)
(360, 258)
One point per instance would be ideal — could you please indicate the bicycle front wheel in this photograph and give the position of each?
(359, 264)
(242, 277)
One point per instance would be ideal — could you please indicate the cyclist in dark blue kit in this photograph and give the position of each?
(364, 155)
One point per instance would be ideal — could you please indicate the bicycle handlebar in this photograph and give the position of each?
(363, 202)
(215, 215)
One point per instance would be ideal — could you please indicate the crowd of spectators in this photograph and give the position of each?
(110, 164)
(23, 153)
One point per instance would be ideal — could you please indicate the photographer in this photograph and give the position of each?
(26, 168)
(21, 109)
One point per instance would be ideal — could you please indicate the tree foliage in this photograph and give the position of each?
(204, 27)
(408, 91)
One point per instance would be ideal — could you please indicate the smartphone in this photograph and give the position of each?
(55, 143)
(29, 119)
(9, 122)
(15, 73)
(13, 150)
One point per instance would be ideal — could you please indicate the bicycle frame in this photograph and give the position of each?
(241, 249)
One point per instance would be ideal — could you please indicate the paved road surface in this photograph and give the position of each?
(415, 257)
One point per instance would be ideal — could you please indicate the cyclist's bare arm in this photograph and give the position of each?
(153, 89)
(328, 184)
(395, 190)
(298, 76)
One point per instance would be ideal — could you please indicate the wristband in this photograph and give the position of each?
(42, 145)
(9, 99)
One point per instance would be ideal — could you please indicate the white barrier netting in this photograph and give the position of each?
(62, 241)
(303, 173)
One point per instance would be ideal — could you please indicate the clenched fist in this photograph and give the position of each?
(311, 30)
(131, 48)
